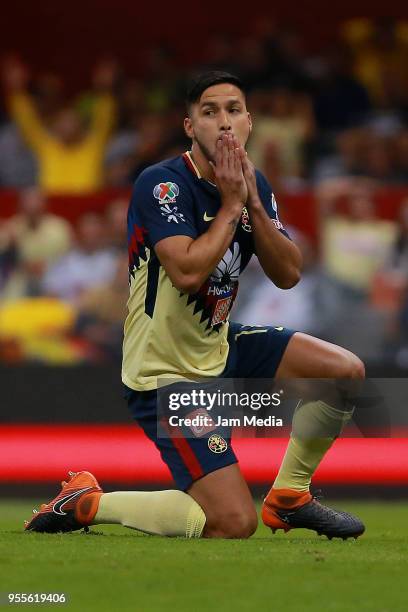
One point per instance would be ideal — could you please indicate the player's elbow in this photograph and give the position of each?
(188, 283)
(289, 280)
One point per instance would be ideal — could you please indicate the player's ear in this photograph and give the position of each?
(188, 127)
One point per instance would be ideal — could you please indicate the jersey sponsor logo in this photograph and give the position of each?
(277, 224)
(166, 193)
(172, 214)
(245, 220)
(207, 218)
(220, 290)
(280, 328)
(217, 444)
(57, 507)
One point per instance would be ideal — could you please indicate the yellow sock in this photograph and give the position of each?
(314, 429)
(167, 513)
(300, 462)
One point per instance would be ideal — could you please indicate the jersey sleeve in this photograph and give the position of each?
(165, 205)
(269, 201)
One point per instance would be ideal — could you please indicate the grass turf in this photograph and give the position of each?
(114, 568)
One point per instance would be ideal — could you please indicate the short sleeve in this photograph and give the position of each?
(269, 201)
(164, 203)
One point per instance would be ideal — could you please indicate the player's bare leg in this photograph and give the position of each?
(309, 357)
(227, 503)
(289, 503)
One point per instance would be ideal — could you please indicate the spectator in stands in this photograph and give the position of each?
(346, 159)
(154, 137)
(70, 157)
(340, 101)
(116, 224)
(390, 292)
(378, 161)
(365, 151)
(280, 135)
(401, 153)
(399, 255)
(300, 308)
(18, 167)
(380, 59)
(124, 143)
(88, 264)
(101, 315)
(355, 243)
(29, 242)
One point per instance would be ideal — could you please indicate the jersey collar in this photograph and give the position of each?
(192, 166)
(188, 160)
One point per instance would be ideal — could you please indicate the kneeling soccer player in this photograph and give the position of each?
(193, 224)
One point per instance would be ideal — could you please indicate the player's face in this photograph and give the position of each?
(220, 109)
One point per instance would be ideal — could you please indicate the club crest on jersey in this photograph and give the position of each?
(217, 444)
(166, 193)
(245, 220)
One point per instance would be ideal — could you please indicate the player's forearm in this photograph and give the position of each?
(279, 257)
(205, 253)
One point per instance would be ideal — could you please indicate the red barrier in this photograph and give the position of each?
(122, 454)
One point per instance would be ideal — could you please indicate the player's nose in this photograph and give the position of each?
(225, 123)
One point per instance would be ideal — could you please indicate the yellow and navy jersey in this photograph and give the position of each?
(169, 334)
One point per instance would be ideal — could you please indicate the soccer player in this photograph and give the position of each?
(193, 224)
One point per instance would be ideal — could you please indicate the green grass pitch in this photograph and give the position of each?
(114, 568)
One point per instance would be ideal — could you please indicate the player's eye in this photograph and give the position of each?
(235, 110)
(209, 112)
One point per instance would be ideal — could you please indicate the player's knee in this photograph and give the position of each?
(350, 366)
(234, 524)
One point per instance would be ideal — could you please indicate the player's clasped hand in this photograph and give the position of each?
(228, 171)
(248, 169)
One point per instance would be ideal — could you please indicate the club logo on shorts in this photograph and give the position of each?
(217, 444)
(166, 193)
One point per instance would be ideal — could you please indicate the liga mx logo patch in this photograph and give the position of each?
(217, 444)
(166, 193)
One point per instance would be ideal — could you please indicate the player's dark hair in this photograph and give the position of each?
(201, 82)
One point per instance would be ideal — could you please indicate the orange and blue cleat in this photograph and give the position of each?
(74, 507)
(288, 509)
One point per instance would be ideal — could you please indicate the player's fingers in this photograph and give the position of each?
(244, 163)
(237, 161)
(225, 153)
(219, 155)
(230, 153)
(248, 165)
(237, 157)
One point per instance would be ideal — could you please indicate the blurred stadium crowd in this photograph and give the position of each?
(334, 124)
